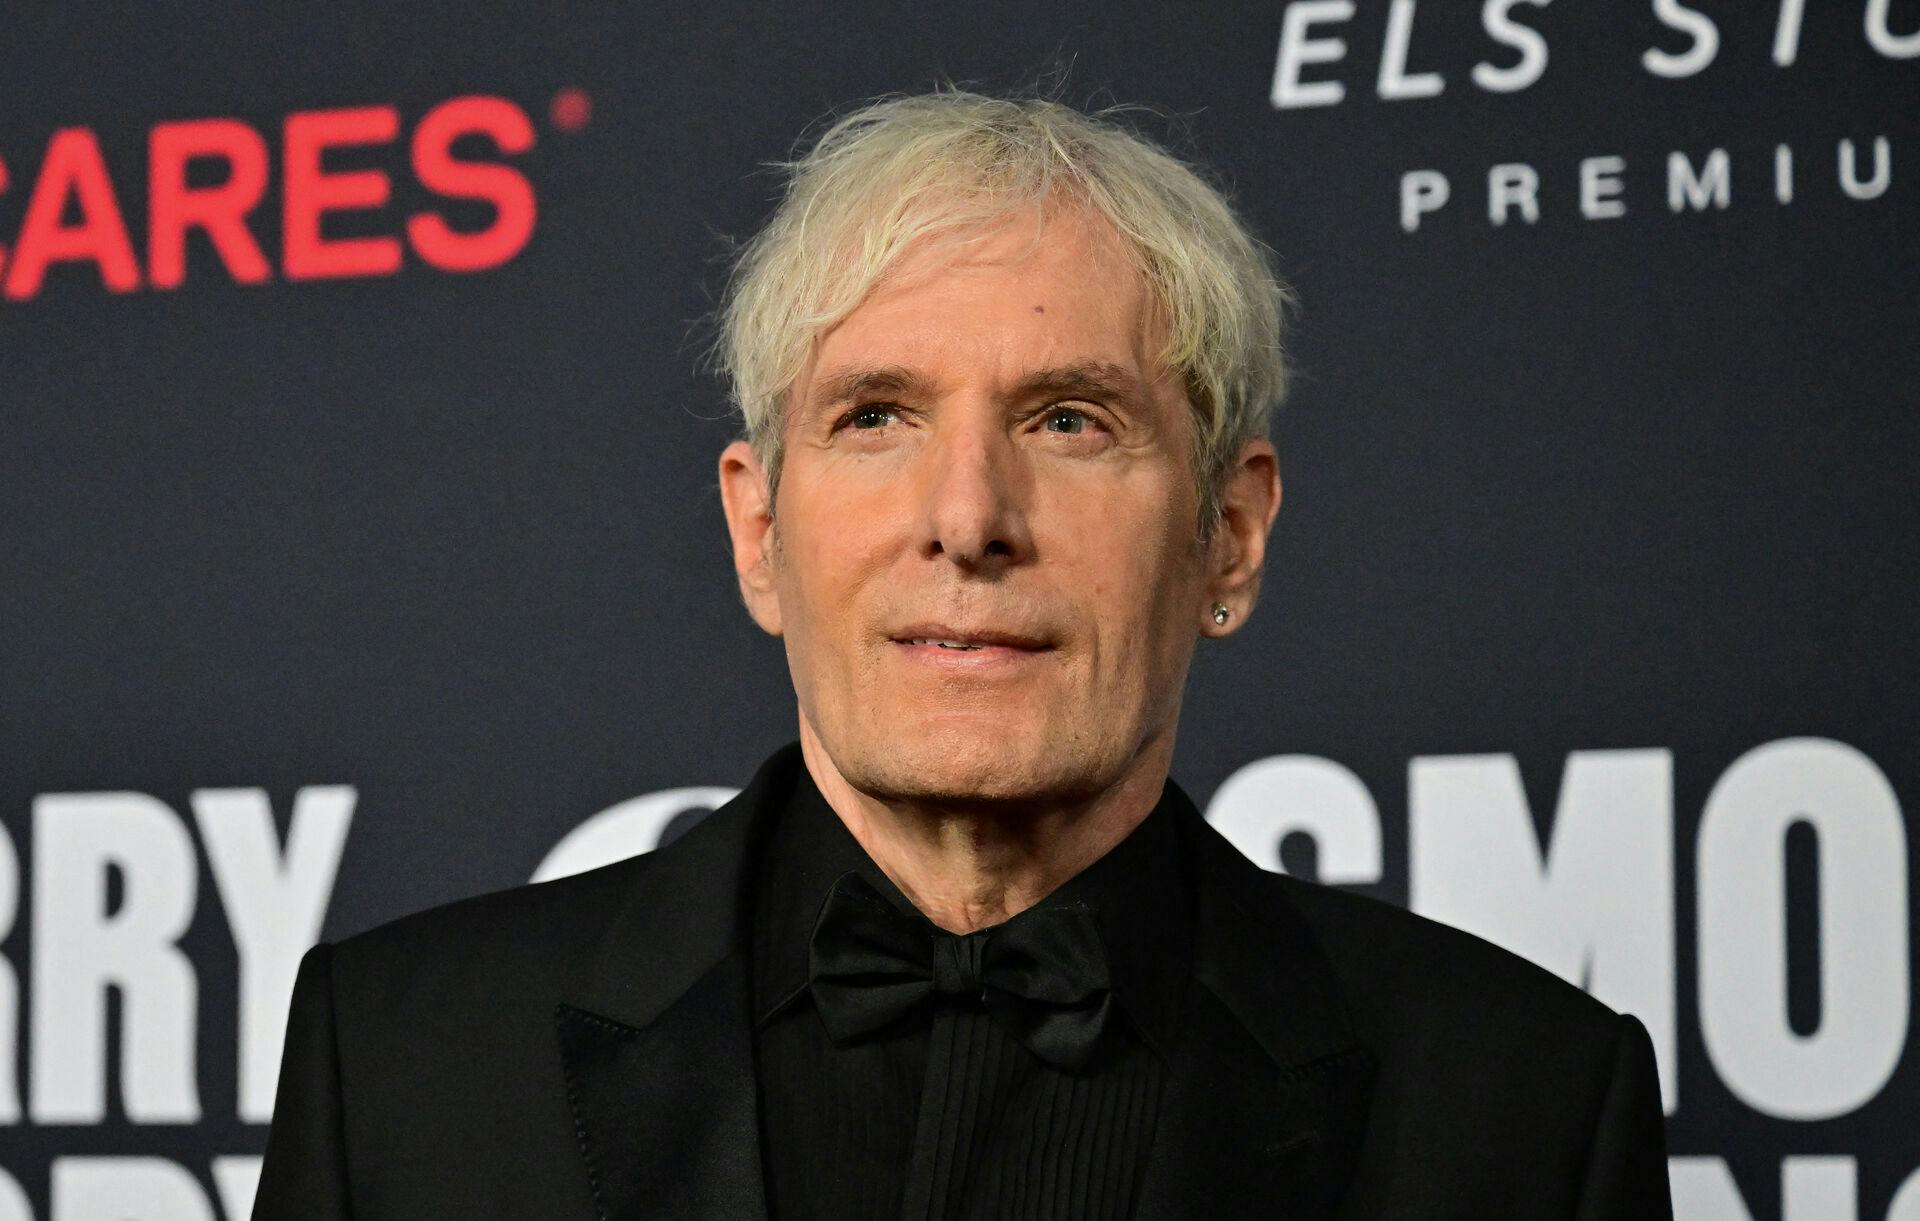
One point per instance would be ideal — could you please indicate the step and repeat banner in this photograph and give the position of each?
(360, 547)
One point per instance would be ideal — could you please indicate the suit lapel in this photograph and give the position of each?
(655, 1037)
(1268, 1090)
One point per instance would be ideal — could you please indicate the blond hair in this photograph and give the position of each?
(904, 169)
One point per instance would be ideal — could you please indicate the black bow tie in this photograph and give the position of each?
(1044, 972)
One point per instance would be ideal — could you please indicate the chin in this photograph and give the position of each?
(954, 760)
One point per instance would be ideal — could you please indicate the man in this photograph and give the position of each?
(965, 951)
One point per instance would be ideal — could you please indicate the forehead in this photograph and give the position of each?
(1051, 289)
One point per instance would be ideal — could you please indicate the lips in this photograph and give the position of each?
(968, 640)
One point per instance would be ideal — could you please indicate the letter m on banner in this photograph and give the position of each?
(1594, 906)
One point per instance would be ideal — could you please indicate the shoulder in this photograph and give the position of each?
(1387, 957)
(512, 954)
(488, 949)
(1400, 977)
(1498, 1085)
(505, 920)
(1409, 980)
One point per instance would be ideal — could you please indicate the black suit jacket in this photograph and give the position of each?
(581, 1048)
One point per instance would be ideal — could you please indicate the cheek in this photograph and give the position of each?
(1133, 571)
(831, 555)
(1129, 529)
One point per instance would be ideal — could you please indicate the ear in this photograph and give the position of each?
(749, 510)
(1249, 499)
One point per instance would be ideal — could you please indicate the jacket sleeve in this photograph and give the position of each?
(1627, 1162)
(304, 1175)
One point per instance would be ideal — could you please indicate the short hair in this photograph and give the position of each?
(950, 162)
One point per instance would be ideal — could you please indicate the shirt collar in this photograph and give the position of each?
(1140, 891)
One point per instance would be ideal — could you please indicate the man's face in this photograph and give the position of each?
(984, 554)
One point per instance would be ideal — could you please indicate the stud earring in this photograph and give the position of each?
(1221, 614)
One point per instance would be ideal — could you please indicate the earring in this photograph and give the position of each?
(1221, 614)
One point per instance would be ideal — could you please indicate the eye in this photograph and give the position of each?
(869, 416)
(1067, 420)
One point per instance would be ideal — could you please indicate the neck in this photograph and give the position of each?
(970, 866)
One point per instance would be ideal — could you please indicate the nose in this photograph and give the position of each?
(973, 497)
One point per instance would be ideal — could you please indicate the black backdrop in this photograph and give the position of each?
(438, 552)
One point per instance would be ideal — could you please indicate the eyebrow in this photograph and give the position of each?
(1092, 379)
(865, 382)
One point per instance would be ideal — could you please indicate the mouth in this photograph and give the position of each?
(943, 638)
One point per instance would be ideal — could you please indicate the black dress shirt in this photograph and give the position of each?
(947, 1115)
